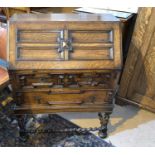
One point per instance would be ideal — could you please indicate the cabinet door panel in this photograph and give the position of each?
(38, 44)
(74, 44)
(41, 36)
(37, 54)
(34, 42)
(91, 45)
(91, 54)
(92, 36)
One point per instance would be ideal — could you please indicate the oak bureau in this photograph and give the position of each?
(64, 63)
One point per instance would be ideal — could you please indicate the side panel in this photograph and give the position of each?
(138, 80)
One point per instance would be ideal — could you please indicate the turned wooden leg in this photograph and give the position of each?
(104, 122)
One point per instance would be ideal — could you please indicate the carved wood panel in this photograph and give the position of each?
(85, 77)
(43, 44)
(50, 79)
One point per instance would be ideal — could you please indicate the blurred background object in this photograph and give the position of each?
(3, 38)
(3, 72)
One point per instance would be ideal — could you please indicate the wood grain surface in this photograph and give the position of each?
(138, 79)
(64, 63)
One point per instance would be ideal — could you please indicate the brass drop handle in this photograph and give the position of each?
(65, 92)
(36, 85)
(64, 102)
(93, 99)
(49, 92)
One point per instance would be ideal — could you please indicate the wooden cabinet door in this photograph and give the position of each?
(92, 45)
(137, 84)
(95, 45)
(64, 45)
(35, 44)
(38, 45)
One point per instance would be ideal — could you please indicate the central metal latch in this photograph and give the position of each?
(65, 44)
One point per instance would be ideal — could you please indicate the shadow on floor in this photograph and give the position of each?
(124, 113)
(122, 118)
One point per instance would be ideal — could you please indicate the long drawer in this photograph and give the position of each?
(47, 101)
(63, 100)
(63, 97)
(41, 91)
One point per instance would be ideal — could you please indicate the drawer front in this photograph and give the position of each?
(64, 97)
(48, 79)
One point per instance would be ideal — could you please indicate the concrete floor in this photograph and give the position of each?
(128, 126)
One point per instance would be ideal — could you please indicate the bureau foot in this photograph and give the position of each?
(21, 123)
(104, 122)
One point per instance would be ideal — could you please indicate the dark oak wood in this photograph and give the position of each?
(64, 62)
(63, 17)
(41, 41)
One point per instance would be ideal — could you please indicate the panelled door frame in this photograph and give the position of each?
(65, 45)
